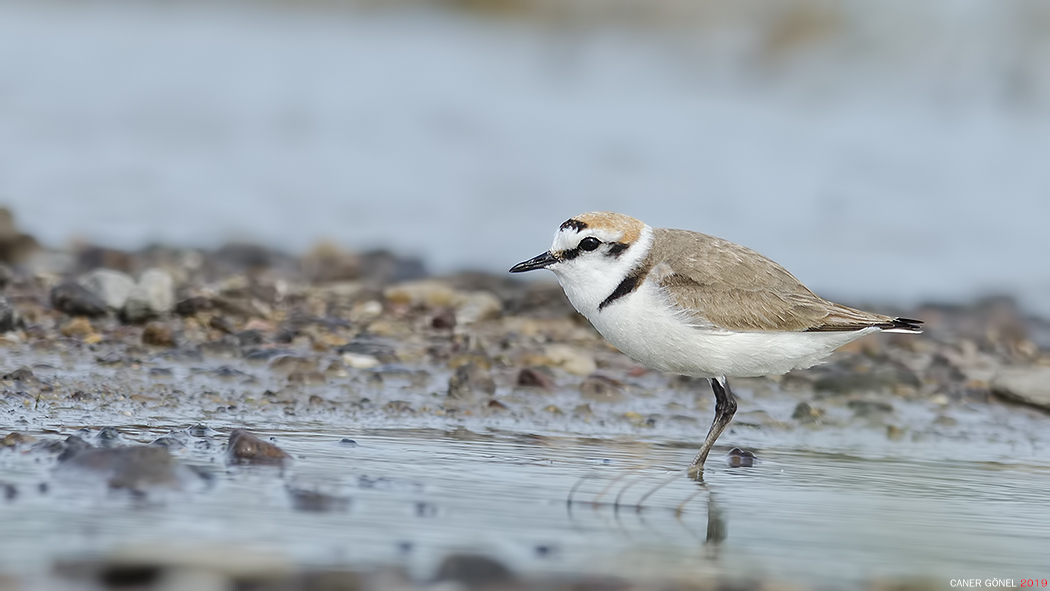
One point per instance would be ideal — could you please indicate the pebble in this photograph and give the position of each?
(74, 299)
(77, 328)
(158, 334)
(15, 438)
(112, 287)
(531, 377)
(804, 413)
(427, 293)
(474, 571)
(477, 306)
(9, 317)
(599, 388)
(245, 448)
(357, 361)
(1027, 385)
(571, 359)
(470, 382)
(153, 296)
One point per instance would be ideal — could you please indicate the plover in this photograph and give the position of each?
(687, 303)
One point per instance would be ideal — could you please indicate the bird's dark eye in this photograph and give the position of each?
(589, 243)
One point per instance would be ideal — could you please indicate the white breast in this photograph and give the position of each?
(646, 328)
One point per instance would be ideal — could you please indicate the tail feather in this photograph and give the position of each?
(907, 325)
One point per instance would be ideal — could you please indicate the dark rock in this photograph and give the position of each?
(223, 324)
(193, 305)
(348, 442)
(804, 413)
(9, 317)
(245, 448)
(444, 320)
(741, 458)
(531, 377)
(158, 334)
(317, 502)
(600, 388)
(135, 467)
(74, 299)
(8, 491)
(1027, 385)
(470, 382)
(473, 570)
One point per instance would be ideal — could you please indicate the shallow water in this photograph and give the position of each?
(840, 505)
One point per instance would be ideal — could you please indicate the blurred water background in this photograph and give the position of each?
(889, 151)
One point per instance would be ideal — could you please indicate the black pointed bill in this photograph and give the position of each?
(538, 262)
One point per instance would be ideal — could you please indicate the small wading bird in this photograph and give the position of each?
(692, 304)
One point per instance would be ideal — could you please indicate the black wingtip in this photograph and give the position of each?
(907, 324)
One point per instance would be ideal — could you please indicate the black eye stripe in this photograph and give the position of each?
(617, 248)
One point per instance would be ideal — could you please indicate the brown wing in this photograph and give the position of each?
(717, 282)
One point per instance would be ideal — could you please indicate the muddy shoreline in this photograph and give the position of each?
(133, 374)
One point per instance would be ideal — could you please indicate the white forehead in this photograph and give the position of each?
(569, 238)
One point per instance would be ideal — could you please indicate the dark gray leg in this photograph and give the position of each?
(725, 408)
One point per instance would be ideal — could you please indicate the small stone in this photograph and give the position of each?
(112, 287)
(77, 328)
(894, 433)
(15, 438)
(571, 360)
(357, 361)
(306, 378)
(1027, 385)
(477, 306)
(6, 276)
(473, 571)
(289, 364)
(600, 388)
(158, 334)
(222, 324)
(444, 320)
(245, 448)
(531, 377)
(153, 296)
(193, 305)
(74, 299)
(428, 293)
(9, 317)
(804, 413)
(741, 458)
(470, 382)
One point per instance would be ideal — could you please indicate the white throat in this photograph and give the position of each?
(588, 281)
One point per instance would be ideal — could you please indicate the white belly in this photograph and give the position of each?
(647, 330)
